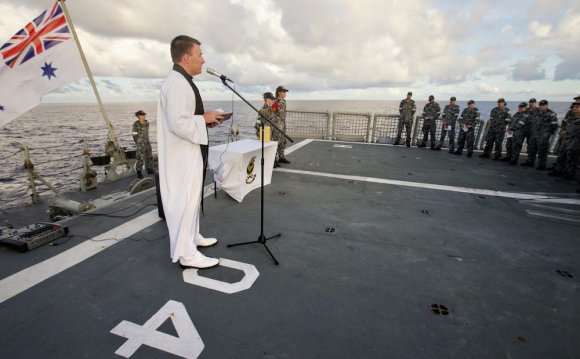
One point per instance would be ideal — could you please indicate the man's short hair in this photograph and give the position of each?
(181, 45)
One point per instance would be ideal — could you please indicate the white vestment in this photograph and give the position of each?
(179, 136)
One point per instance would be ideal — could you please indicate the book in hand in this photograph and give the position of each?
(226, 115)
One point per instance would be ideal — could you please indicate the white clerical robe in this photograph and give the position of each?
(179, 136)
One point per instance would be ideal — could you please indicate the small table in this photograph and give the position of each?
(236, 166)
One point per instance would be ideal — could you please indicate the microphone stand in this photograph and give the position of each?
(262, 239)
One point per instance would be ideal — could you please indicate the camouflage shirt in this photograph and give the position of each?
(280, 108)
(407, 110)
(431, 112)
(499, 118)
(519, 121)
(141, 132)
(532, 114)
(546, 122)
(470, 117)
(450, 114)
(269, 113)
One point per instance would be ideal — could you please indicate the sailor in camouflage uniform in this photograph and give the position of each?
(431, 113)
(498, 119)
(516, 135)
(141, 137)
(544, 126)
(532, 112)
(560, 147)
(407, 110)
(450, 114)
(268, 112)
(469, 119)
(265, 111)
(572, 143)
(279, 107)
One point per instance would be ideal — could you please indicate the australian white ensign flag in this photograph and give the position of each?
(38, 59)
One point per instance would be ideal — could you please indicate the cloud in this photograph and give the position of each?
(528, 70)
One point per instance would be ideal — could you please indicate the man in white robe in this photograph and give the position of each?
(181, 135)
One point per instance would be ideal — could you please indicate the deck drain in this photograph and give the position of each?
(329, 229)
(281, 193)
(511, 184)
(482, 197)
(350, 181)
(439, 309)
(563, 273)
(426, 211)
(521, 339)
(409, 173)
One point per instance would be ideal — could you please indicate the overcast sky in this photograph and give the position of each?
(327, 49)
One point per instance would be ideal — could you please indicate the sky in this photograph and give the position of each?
(326, 49)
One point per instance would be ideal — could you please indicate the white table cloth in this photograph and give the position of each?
(236, 166)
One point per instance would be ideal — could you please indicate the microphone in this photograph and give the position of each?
(215, 73)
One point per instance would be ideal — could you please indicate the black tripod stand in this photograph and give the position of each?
(262, 239)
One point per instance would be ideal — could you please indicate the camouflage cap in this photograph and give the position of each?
(523, 104)
(140, 113)
(409, 93)
(577, 98)
(501, 100)
(470, 102)
(532, 100)
(543, 102)
(281, 89)
(269, 95)
(431, 97)
(452, 98)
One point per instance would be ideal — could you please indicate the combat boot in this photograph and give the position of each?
(422, 145)
(139, 174)
(527, 164)
(504, 159)
(457, 152)
(408, 144)
(276, 165)
(484, 155)
(469, 154)
(151, 171)
(397, 143)
(283, 160)
(541, 168)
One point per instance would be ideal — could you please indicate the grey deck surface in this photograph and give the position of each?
(360, 265)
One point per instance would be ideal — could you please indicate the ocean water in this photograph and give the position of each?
(55, 134)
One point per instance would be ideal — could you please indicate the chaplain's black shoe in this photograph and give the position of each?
(139, 174)
(283, 160)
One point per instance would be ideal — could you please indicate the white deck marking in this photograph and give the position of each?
(297, 146)
(439, 187)
(29, 277)
(191, 276)
(553, 216)
(187, 345)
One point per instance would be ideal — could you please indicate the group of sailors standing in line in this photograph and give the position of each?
(533, 124)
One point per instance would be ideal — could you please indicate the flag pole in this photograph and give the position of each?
(112, 133)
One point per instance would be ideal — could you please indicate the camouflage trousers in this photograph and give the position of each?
(428, 129)
(466, 138)
(408, 124)
(539, 146)
(517, 143)
(281, 139)
(451, 134)
(144, 155)
(494, 138)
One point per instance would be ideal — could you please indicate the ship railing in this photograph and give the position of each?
(378, 128)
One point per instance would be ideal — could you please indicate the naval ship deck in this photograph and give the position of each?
(385, 252)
